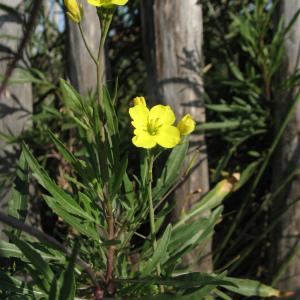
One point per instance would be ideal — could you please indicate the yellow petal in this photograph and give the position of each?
(168, 136)
(119, 2)
(144, 140)
(186, 125)
(107, 2)
(139, 114)
(162, 115)
(139, 101)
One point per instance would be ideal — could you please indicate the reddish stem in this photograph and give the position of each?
(98, 293)
(111, 254)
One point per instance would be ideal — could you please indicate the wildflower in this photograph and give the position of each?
(107, 3)
(154, 126)
(186, 125)
(74, 11)
(139, 101)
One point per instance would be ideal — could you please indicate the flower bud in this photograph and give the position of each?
(74, 11)
(139, 101)
(107, 3)
(186, 125)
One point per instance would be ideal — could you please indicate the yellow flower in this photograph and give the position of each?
(107, 2)
(139, 101)
(74, 11)
(154, 126)
(186, 125)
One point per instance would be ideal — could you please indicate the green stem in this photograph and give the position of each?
(86, 44)
(105, 18)
(151, 210)
(150, 201)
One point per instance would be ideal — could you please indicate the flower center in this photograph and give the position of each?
(153, 126)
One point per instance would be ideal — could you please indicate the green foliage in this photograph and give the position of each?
(82, 208)
(244, 46)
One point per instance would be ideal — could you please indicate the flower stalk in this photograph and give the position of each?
(87, 45)
(105, 17)
(151, 209)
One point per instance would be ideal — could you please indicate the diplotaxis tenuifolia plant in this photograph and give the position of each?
(105, 205)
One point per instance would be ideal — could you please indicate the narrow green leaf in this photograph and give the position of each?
(129, 191)
(211, 200)
(68, 156)
(235, 70)
(190, 280)
(229, 124)
(68, 288)
(61, 196)
(14, 286)
(219, 107)
(117, 177)
(71, 97)
(200, 293)
(38, 263)
(160, 252)
(222, 295)
(110, 113)
(171, 170)
(247, 287)
(160, 297)
(17, 205)
(85, 227)
(9, 250)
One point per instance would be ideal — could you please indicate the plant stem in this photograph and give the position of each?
(105, 18)
(111, 251)
(86, 44)
(151, 210)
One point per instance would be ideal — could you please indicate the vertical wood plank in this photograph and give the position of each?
(16, 100)
(174, 52)
(286, 238)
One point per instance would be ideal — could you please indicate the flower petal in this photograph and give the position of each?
(139, 114)
(162, 114)
(119, 2)
(186, 125)
(107, 2)
(139, 101)
(168, 136)
(144, 140)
